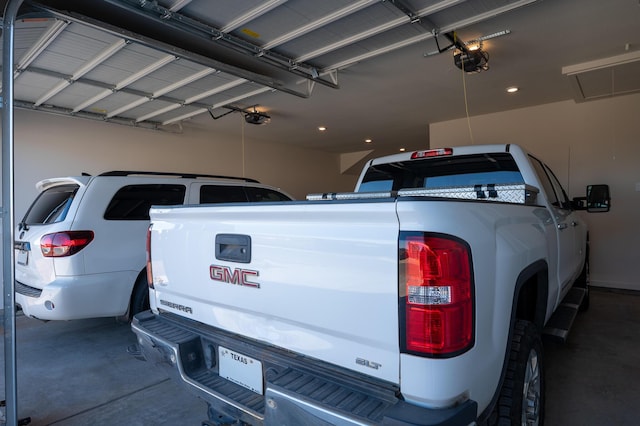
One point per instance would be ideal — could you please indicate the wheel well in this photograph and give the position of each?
(529, 304)
(532, 288)
(137, 301)
(142, 274)
(139, 278)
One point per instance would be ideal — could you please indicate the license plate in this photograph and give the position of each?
(240, 369)
(22, 257)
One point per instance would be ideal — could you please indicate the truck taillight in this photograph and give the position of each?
(436, 290)
(149, 271)
(62, 244)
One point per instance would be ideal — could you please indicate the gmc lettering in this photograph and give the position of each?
(237, 276)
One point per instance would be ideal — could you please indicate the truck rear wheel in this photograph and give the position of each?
(521, 399)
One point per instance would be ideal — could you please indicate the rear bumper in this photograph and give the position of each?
(85, 296)
(296, 389)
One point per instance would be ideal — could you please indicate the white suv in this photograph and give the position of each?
(80, 249)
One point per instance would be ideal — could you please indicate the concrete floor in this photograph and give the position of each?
(594, 378)
(79, 373)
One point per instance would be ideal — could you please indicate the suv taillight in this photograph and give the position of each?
(436, 291)
(61, 244)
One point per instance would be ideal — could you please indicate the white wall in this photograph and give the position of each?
(584, 143)
(47, 145)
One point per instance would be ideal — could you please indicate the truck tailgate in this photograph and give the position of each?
(312, 269)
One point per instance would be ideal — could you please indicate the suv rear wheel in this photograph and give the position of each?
(140, 295)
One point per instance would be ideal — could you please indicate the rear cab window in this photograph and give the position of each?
(478, 169)
(552, 187)
(51, 205)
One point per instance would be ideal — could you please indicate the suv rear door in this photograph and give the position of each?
(117, 211)
(52, 211)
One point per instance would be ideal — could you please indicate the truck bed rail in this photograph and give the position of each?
(516, 193)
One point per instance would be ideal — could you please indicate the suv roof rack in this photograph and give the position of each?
(182, 175)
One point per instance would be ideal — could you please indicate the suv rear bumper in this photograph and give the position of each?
(86, 296)
(296, 389)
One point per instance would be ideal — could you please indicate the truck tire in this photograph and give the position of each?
(139, 296)
(521, 400)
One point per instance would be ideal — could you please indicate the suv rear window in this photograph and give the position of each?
(222, 194)
(264, 194)
(212, 194)
(132, 202)
(51, 205)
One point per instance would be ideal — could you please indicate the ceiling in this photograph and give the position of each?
(365, 69)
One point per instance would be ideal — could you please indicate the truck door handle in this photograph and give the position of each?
(562, 226)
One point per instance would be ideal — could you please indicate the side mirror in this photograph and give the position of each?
(597, 199)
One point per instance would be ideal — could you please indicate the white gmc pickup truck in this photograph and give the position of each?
(419, 299)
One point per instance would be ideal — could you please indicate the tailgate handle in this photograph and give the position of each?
(233, 248)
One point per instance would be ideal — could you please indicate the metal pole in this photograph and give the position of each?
(8, 267)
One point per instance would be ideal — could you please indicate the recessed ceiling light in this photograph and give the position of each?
(512, 89)
(368, 140)
(402, 149)
(322, 128)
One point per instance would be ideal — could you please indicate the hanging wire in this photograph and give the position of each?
(242, 124)
(613, 133)
(466, 102)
